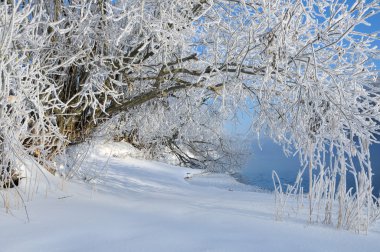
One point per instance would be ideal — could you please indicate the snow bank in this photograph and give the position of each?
(136, 205)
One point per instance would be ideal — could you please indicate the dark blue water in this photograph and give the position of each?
(258, 170)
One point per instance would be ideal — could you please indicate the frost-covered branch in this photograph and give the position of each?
(301, 69)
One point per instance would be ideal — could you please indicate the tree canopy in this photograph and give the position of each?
(165, 75)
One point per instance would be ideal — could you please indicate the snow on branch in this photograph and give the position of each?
(168, 74)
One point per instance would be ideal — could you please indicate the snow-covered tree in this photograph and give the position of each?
(160, 69)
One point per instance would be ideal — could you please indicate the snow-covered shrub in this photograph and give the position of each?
(196, 139)
(28, 100)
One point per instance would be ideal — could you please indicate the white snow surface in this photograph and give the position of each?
(136, 205)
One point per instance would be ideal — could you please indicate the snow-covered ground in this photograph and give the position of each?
(136, 205)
